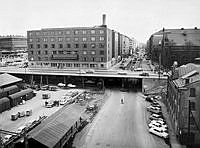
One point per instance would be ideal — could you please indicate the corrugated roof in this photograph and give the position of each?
(51, 130)
(189, 74)
(6, 79)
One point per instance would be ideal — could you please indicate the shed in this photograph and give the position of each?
(4, 104)
(7, 79)
(56, 130)
(19, 96)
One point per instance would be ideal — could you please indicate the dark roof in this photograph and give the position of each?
(181, 37)
(21, 93)
(6, 79)
(6, 89)
(52, 129)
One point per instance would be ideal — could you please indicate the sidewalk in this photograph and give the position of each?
(173, 140)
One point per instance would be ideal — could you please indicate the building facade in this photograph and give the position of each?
(183, 103)
(13, 48)
(169, 43)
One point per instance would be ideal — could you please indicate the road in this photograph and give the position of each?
(120, 125)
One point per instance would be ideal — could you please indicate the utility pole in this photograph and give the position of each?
(189, 110)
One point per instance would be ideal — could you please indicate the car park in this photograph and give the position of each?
(159, 132)
(158, 125)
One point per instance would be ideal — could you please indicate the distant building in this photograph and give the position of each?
(12, 48)
(184, 91)
(78, 47)
(181, 45)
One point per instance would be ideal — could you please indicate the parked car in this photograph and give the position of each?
(144, 74)
(162, 122)
(14, 116)
(122, 73)
(153, 108)
(49, 104)
(45, 87)
(21, 114)
(7, 138)
(52, 88)
(159, 132)
(90, 71)
(20, 129)
(149, 99)
(156, 111)
(45, 96)
(156, 116)
(29, 112)
(61, 85)
(158, 125)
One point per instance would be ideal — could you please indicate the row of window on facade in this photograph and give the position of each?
(92, 45)
(85, 59)
(75, 32)
(101, 52)
(61, 65)
(67, 39)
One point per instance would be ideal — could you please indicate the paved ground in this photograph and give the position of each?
(120, 125)
(37, 106)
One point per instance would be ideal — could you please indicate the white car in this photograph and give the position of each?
(71, 85)
(6, 138)
(163, 123)
(122, 73)
(20, 129)
(61, 85)
(158, 132)
(158, 125)
(62, 101)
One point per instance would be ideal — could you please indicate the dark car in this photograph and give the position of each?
(144, 74)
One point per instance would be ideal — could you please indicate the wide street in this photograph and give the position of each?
(120, 125)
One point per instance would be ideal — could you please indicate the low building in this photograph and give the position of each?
(183, 102)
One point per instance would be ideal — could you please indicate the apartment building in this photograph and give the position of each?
(183, 102)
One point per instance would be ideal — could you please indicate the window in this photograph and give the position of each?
(37, 39)
(68, 39)
(101, 45)
(31, 46)
(52, 32)
(54, 52)
(30, 40)
(45, 39)
(67, 32)
(60, 39)
(38, 52)
(76, 39)
(102, 65)
(84, 32)
(30, 33)
(76, 65)
(39, 58)
(45, 46)
(101, 31)
(192, 92)
(101, 38)
(84, 45)
(192, 106)
(85, 52)
(84, 59)
(75, 31)
(46, 52)
(60, 52)
(68, 45)
(92, 31)
(93, 45)
(84, 39)
(101, 52)
(38, 46)
(101, 59)
(92, 59)
(45, 33)
(52, 39)
(76, 45)
(60, 45)
(92, 52)
(37, 33)
(59, 32)
(52, 45)
(31, 52)
(92, 38)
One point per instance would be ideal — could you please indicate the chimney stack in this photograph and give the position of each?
(104, 20)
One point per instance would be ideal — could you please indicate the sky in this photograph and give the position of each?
(134, 18)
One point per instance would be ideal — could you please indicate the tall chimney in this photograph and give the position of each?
(104, 20)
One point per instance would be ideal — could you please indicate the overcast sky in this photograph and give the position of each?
(134, 18)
